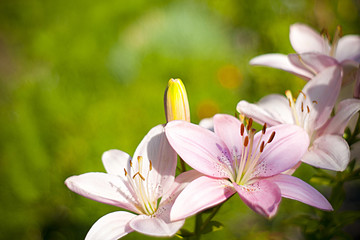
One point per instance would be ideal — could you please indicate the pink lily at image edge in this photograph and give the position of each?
(236, 161)
(312, 111)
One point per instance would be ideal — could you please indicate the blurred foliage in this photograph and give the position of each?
(78, 78)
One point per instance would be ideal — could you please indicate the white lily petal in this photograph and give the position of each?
(159, 155)
(314, 62)
(115, 161)
(329, 152)
(104, 188)
(348, 48)
(281, 61)
(111, 226)
(345, 111)
(305, 39)
(155, 226)
(319, 95)
(272, 109)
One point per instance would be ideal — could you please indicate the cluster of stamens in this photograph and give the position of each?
(145, 196)
(337, 36)
(250, 154)
(299, 118)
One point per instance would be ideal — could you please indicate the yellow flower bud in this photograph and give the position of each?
(176, 101)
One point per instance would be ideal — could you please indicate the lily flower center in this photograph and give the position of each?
(145, 196)
(248, 160)
(300, 112)
(335, 42)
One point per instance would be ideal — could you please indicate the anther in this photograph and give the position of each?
(302, 107)
(302, 94)
(249, 124)
(308, 109)
(241, 117)
(264, 129)
(262, 146)
(125, 172)
(150, 165)
(271, 137)
(246, 141)
(325, 33)
(130, 163)
(242, 129)
(139, 176)
(315, 102)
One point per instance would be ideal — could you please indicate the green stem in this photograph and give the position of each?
(352, 139)
(208, 219)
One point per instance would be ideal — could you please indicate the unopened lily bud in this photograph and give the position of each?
(176, 101)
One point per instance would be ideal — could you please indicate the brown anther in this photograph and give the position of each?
(242, 129)
(271, 137)
(264, 129)
(262, 146)
(246, 141)
(139, 176)
(302, 94)
(125, 172)
(339, 31)
(150, 165)
(302, 107)
(315, 102)
(325, 33)
(308, 109)
(249, 124)
(130, 163)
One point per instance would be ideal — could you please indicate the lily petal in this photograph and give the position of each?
(224, 126)
(272, 109)
(284, 152)
(112, 226)
(199, 147)
(104, 188)
(329, 152)
(345, 111)
(314, 62)
(263, 197)
(294, 188)
(350, 71)
(202, 193)
(305, 39)
(357, 85)
(115, 161)
(155, 226)
(320, 95)
(159, 155)
(348, 48)
(281, 61)
(179, 184)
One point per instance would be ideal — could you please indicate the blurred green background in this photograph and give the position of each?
(80, 77)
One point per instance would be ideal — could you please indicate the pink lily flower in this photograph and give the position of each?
(234, 160)
(135, 185)
(314, 53)
(312, 111)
